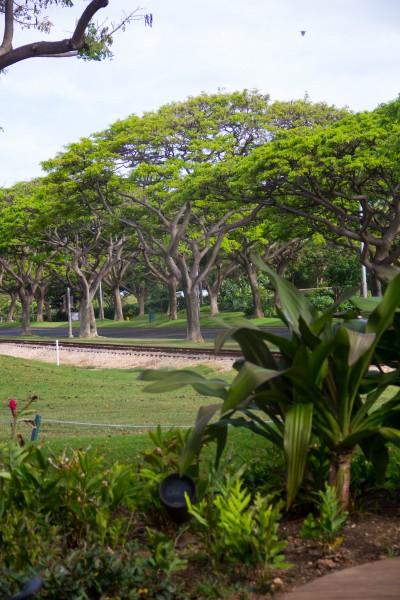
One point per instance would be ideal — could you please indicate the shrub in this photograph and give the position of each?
(76, 494)
(98, 571)
(319, 391)
(240, 530)
(330, 521)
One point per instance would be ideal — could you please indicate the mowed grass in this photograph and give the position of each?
(161, 321)
(104, 396)
(87, 395)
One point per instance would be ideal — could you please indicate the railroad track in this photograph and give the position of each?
(127, 348)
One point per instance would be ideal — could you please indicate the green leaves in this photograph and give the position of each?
(249, 378)
(168, 380)
(315, 388)
(293, 304)
(298, 425)
(195, 441)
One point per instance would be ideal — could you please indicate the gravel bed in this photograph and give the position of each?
(108, 359)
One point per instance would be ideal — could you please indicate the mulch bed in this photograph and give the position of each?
(370, 535)
(367, 536)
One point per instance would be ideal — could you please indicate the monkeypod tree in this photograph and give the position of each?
(24, 257)
(165, 155)
(343, 180)
(87, 239)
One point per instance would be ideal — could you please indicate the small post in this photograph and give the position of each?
(57, 353)
(35, 431)
(70, 334)
(364, 285)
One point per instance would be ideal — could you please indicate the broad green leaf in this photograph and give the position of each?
(383, 314)
(297, 434)
(365, 305)
(293, 303)
(252, 344)
(249, 378)
(392, 435)
(359, 344)
(195, 440)
(172, 380)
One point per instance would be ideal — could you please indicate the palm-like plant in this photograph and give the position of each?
(320, 385)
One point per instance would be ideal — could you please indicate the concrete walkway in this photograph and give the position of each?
(373, 581)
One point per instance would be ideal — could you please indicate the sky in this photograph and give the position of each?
(349, 56)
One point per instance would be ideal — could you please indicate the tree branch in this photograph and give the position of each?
(6, 44)
(58, 48)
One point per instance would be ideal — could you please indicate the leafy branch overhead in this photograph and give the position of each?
(89, 40)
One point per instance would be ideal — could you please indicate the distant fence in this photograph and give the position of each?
(51, 428)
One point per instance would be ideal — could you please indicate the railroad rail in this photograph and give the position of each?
(127, 348)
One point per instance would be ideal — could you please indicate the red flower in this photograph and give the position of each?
(12, 405)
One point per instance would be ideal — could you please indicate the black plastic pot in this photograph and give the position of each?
(172, 495)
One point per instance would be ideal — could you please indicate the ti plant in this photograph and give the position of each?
(319, 388)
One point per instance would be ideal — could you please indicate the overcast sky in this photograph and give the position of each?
(349, 56)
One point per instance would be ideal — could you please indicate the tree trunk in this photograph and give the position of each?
(172, 304)
(376, 285)
(93, 326)
(118, 310)
(140, 298)
(214, 309)
(84, 318)
(340, 477)
(26, 300)
(40, 304)
(193, 330)
(258, 311)
(11, 308)
(47, 309)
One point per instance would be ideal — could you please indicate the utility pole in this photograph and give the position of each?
(364, 287)
(101, 305)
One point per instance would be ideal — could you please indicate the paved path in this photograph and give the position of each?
(373, 581)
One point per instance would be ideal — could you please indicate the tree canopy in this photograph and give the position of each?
(192, 189)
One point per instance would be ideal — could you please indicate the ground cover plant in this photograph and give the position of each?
(96, 530)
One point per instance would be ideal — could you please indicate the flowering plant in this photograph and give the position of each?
(16, 417)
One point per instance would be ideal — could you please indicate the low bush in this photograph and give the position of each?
(75, 494)
(238, 529)
(330, 521)
(98, 571)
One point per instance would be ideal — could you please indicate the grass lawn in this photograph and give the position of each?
(103, 396)
(97, 396)
(162, 322)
